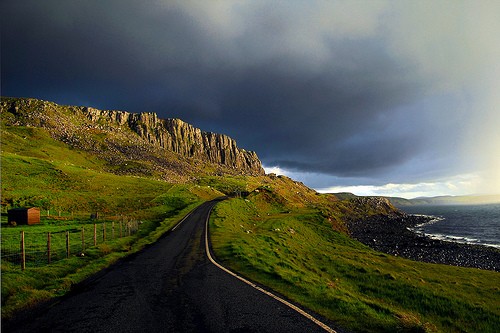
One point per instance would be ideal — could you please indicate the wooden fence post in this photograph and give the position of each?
(95, 234)
(48, 248)
(23, 253)
(83, 238)
(68, 252)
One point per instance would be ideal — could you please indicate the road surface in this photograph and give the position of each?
(171, 286)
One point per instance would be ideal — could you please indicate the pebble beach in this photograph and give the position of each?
(393, 235)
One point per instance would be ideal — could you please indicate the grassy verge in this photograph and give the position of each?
(297, 253)
(23, 289)
(70, 184)
(53, 177)
(283, 235)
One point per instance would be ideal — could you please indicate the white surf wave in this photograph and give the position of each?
(419, 230)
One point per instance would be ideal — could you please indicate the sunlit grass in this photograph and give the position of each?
(70, 185)
(297, 253)
(282, 235)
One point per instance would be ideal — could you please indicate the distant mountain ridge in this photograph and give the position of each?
(446, 200)
(435, 201)
(118, 136)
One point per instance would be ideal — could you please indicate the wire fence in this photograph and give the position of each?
(34, 249)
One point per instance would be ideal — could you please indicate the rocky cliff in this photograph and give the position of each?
(67, 122)
(182, 138)
(379, 205)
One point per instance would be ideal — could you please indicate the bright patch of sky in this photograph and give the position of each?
(459, 185)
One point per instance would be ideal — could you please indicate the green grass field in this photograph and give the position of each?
(282, 235)
(297, 253)
(42, 172)
(39, 282)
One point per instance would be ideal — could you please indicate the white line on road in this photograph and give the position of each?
(183, 219)
(299, 310)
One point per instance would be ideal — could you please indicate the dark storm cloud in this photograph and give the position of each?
(99, 52)
(331, 110)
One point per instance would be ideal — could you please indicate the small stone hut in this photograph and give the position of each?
(29, 215)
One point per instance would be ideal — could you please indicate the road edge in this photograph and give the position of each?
(253, 285)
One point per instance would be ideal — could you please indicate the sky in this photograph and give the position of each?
(397, 98)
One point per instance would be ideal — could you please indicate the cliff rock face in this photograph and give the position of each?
(183, 138)
(379, 204)
(364, 207)
(170, 134)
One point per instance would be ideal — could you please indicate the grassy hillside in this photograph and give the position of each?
(291, 247)
(70, 184)
(39, 171)
(119, 148)
(279, 233)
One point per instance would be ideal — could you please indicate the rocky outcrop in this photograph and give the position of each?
(183, 138)
(375, 205)
(170, 134)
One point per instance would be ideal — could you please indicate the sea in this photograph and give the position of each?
(471, 224)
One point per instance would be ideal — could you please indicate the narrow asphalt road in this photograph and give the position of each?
(170, 286)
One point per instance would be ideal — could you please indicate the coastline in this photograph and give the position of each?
(391, 235)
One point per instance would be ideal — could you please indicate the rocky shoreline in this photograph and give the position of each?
(390, 234)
